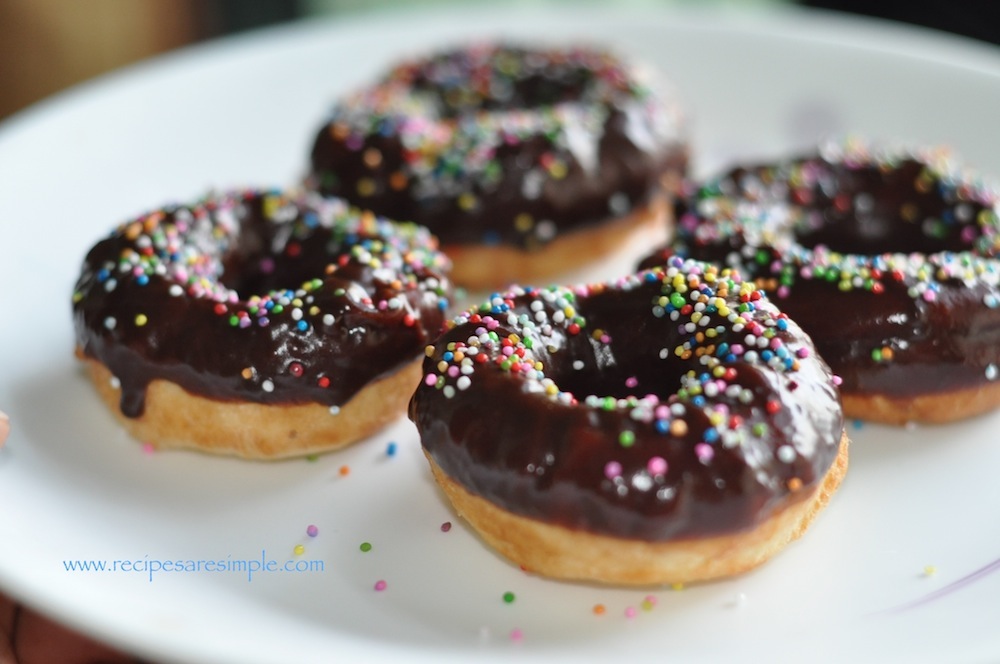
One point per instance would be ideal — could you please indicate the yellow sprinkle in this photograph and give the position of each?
(141, 320)
(247, 373)
(366, 187)
(523, 222)
(299, 549)
(677, 586)
(930, 570)
(467, 201)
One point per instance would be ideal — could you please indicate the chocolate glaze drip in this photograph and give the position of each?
(888, 263)
(594, 463)
(258, 297)
(500, 144)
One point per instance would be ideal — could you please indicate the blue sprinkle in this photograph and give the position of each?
(390, 449)
(302, 325)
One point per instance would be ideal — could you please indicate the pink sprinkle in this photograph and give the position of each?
(431, 380)
(657, 466)
(446, 526)
(630, 612)
(312, 531)
(148, 448)
(929, 296)
(516, 635)
(704, 452)
(650, 600)
(802, 352)
(380, 585)
(631, 381)
(837, 380)
(612, 470)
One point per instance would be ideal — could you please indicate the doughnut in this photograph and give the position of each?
(886, 256)
(669, 427)
(525, 162)
(258, 323)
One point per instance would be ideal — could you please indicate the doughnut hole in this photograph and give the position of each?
(515, 79)
(870, 211)
(268, 258)
(610, 357)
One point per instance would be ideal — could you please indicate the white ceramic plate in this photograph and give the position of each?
(243, 111)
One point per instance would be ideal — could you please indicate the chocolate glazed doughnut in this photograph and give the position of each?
(525, 163)
(887, 258)
(258, 323)
(670, 427)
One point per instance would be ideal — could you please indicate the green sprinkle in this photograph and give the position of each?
(626, 438)
(508, 597)
(366, 547)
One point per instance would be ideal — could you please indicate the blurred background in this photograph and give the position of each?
(48, 45)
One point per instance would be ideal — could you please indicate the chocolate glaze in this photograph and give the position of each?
(501, 144)
(926, 234)
(532, 442)
(258, 296)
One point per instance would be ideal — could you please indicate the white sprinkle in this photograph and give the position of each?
(328, 319)
(267, 385)
(577, 364)
(115, 383)
(463, 382)
(110, 322)
(786, 454)
(991, 372)
(335, 410)
(175, 290)
(618, 203)
(449, 391)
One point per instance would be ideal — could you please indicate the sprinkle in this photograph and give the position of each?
(390, 449)
(446, 526)
(599, 609)
(365, 547)
(380, 585)
(312, 531)
(335, 410)
(516, 635)
(267, 385)
(648, 602)
(930, 570)
(508, 597)
(141, 320)
(345, 471)
(991, 372)
(148, 448)
(630, 612)
(299, 549)
(657, 466)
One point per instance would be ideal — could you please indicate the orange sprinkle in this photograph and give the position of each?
(794, 484)
(345, 471)
(397, 180)
(599, 609)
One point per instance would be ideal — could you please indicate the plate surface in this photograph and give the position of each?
(900, 564)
